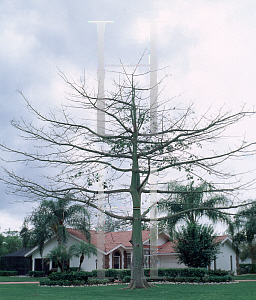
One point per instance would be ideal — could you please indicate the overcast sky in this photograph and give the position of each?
(209, 47)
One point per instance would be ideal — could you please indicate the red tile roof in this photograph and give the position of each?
(168, 247)
(112, 239)
(221, 238)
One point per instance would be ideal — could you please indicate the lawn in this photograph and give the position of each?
(242, 290)
(17, 279)
(245, 277)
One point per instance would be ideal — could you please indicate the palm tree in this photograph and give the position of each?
(52, 217)
(59, 255)
(186, 197)
(81, 250)
(243, 230)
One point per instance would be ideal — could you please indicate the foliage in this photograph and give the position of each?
(126, 279)
(214, 278)
(246, 220)
(243, 230)
(187, 197)
(248, 250)
(47, 282)
(51, 218)
(113, 225)
(59, 255)
(196, 245)
(8, 273)
(92, 281)
(70, 276)
(9, 242)
(247, 268)
(81, 250)
(36, 273)
(162, 272)
(129, 148)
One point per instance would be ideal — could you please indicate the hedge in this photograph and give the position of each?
(163, 272)
(72, 277)
(195, 279)
(8, 273)
(67, 282)
(169, 274)
(247, 268)
(36, 273)
(49, 282)
(115, 273)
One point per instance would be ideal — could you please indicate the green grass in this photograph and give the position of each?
(241, 291)
(17, 279)
(245, 277)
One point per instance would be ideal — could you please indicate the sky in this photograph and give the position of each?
(208, 49)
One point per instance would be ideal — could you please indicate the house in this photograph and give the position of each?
(115, 251)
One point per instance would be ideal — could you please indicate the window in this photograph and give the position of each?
(129, 260)
(117, 260)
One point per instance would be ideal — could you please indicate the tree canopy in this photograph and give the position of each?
(196, 245)
(52, 218)
(117, 154)
(187, 197)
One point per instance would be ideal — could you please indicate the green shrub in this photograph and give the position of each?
(127, 279)
(155, 279)
(123, 273)
(8, 273)
(45, 281)
(71, 277)
(247, 268)
(92, 281)
(36, 274)
(182, 272)
(170, 272)
(218, 272)
(101, 273)
(49, 282)
(206, 279)
(112, 273)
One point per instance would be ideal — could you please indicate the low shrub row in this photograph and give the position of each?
(48, 282)
(206, 279)
(247, 268)
(163, 272)
(92, 281)
(70, 276)
(168, 274)
(65, 282)
(115, 273)
(36, 274)
(8, 273)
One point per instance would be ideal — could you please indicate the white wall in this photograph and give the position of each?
(224, 258)
(88, 264)
(169, 261)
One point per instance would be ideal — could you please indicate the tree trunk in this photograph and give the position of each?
(138, 279)
(81, 261)
(237, 262)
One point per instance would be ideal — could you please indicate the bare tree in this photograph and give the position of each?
(77, 156)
